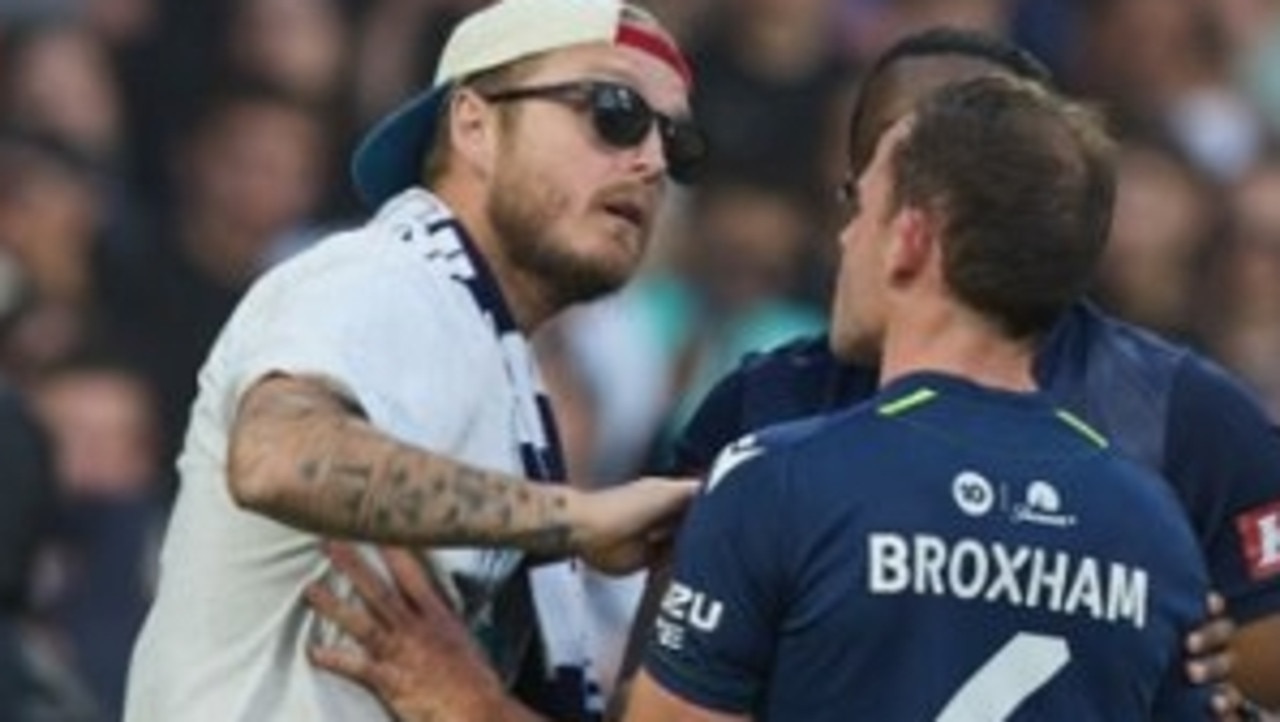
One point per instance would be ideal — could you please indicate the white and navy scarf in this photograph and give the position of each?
(569, 689)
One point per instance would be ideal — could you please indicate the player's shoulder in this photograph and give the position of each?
(803, 373)
(1087, 336)
(835, 427)
(783, 449)
(804, 357)
(860, 425)
(1124, 354)
(799, 356)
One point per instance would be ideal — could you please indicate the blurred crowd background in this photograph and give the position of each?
(156, 156)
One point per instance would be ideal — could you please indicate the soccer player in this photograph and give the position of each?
(1164, 405)
(379, 386)
(957, 547)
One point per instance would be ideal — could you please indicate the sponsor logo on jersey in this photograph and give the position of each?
(684, 607)
(973, 493)
(1260, 537)
(731, 457)
(1041, 503)
(1019, 575)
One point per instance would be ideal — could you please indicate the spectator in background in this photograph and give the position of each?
(683, 17)
(58, 80)
(303, 48)
(397, 46)
(1241, 309)
(50, 217)
(1048, 29)
(1258, 63)
(102, 421)
(25, 515)
(298, 45)
(59, 83)
(1167, 215)
(872, 26)
(772, 91)
(247, 179)
(120, 24)
(1167, 64)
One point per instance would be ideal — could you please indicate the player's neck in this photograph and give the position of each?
(956, 341)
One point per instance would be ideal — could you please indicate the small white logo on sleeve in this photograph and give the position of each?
(1259, 531)
(973, 493)
(684, 607)
(682, 603)
(733, 456)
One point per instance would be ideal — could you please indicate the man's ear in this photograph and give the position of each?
(914, 243)
(473, 128)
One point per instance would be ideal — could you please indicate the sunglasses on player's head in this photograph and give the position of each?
(622, 118)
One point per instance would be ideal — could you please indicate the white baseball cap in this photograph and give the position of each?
(389, 157)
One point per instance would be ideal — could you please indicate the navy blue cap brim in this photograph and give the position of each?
(389, 157)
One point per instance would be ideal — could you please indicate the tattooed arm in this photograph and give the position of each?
(305, 455)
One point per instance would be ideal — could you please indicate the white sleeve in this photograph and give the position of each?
(391, 342)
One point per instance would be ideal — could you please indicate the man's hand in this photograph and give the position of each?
(626, 528)
(414, 653)
(1209, 661)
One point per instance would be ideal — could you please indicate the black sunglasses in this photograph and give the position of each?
(622, 118)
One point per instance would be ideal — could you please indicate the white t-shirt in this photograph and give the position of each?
(382, 314)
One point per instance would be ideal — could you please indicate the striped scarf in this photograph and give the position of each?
(560, 682)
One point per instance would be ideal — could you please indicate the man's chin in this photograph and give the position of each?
(627, 241)
(585, 283)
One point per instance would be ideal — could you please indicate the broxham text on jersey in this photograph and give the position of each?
(1017, 575)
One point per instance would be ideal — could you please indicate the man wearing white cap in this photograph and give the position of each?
(379, 387)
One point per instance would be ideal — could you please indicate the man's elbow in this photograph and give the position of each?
(254, 476)
(264, 440)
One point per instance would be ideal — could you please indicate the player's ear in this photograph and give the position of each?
(914, 243)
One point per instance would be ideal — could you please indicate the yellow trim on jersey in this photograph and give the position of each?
(893, 408)
(1078, 424)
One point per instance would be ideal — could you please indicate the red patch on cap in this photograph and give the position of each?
(1260, 538)
(657, 45)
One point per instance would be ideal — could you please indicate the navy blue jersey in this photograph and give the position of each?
(943, 551)
(1165, 406)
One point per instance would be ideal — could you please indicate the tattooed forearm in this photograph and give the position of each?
(415, 494)
(302, 455)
